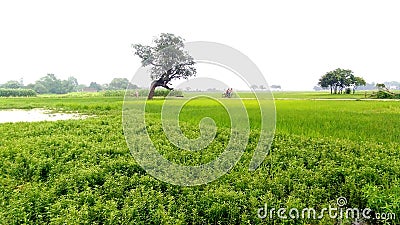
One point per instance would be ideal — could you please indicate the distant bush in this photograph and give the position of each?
(165, 93)
(116, 93)
(17, 92)
(142, 93)
(84, 94)
(387, 95)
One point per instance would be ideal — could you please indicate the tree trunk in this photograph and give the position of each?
(162, 82)
(153, 86)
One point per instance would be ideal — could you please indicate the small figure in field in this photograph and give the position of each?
(137, 94)
(230, 90)
(227, 93)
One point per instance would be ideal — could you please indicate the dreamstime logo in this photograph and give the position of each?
(340, 211)
(146, 154)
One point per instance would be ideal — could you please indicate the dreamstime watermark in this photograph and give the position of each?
(338, 211)
(149, 158)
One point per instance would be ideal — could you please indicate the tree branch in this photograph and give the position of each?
(153, 64)
(166, 86)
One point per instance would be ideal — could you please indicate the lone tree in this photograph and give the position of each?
(167, 59)
(340, 79)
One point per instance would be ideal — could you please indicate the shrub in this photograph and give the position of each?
(142, 93)
(386, 95)
(165, 93)
(17, 92)
(116, 93)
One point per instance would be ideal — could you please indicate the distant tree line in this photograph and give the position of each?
(50, 84)
(392, 85)
(262, 87)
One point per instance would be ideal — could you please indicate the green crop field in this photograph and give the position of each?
(310, 95)
(82, 172)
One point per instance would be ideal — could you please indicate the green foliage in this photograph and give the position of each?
(167, 60)
(96, 86)
(12, 84)
(119, 93)
(385, 93)
(339, 79)
(167, 54)
(81, 171)
(51, 84)
(70, 85)
(143, 93)
(120, 84)
(17, 92)
(381, 94)
(165, 93)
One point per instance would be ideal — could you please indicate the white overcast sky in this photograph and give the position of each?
(292, 42)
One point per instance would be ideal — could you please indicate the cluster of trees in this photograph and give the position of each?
(339, 80)
(392, 85)
(115, 84)
(12, 84)
(50, 84)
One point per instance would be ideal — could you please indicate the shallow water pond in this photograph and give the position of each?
(35, 115)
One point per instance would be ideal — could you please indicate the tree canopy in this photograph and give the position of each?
(51, 84)
(167, 60)
(339, 79)
(12, 84)
(120, 84)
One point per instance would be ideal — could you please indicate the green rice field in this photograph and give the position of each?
(82, 171)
